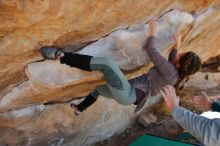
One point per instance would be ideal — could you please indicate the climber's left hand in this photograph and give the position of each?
(177, 37)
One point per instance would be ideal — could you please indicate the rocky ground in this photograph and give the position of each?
(166, 127)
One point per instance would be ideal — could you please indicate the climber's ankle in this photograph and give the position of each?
(60, 55)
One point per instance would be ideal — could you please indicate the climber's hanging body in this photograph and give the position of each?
(125, 92)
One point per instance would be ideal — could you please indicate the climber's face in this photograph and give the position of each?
(177, 59)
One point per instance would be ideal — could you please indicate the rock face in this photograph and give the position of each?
(117, 29)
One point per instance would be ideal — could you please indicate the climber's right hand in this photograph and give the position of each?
(153, 28)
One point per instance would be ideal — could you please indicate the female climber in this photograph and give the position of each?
(137, 90)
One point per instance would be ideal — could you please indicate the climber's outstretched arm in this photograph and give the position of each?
(161, 63)
(151, 45)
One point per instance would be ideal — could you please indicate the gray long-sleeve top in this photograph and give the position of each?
(161, 74)
(204, 129)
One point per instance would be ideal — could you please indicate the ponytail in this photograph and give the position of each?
(190, 63)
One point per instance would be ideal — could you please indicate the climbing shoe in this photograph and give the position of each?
(51, 53)
(76, 111)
